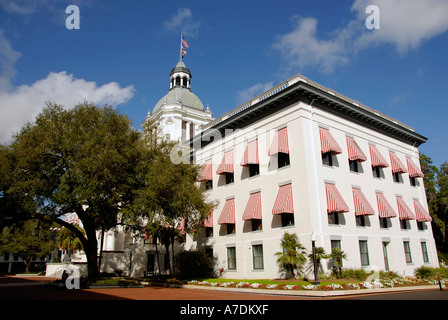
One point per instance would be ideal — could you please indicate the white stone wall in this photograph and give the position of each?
(307, 174)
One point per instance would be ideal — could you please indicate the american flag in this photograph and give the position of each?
(184, 42)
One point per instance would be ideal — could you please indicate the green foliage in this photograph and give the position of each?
(81, 160)
(424, 272)
(436, 187)
(293, 254)
(194, 265)
(356, 274)
(338, 255)
(31, 239)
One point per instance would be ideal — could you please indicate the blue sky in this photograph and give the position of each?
(124, 50)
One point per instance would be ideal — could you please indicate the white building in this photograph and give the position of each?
(299, 158)
(180, 114)
(304, 159)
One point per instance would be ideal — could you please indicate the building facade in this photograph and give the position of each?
(299, 158)
(304, 159)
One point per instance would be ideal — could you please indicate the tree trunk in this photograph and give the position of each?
(157, 256)
(91, 250)
(172, 250)
(101, 250)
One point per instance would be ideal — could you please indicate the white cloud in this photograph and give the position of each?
(8, 58)
(23, 103)
(404, 24)
(182, 21)
(301, 47)
(249, 93)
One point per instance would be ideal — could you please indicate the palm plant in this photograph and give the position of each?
(320, 254)
(337, 254)
(293, 255)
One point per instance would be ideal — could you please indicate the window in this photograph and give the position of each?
(229, 177)
(425, 252)
(413, 181)
(333, 218)
(376, 172)
(335, 244)
(283, 159)
(361, 221)
(254, 169)
(231, 258)
(353, 164)
(208, 184)
(420, 225)
(327, 159)
(407, 252)
(209, 232)
(257, 224)
(404, 224)
(257, 252)
(364, 253)
(384, 223)
(230, 228)
(396, 176)
(287, 219)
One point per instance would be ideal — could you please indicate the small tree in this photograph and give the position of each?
(338, 255)
(29, 240)
(67, 240)
(293, 255)
(320, 254)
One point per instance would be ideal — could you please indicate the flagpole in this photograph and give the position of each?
(180, 49)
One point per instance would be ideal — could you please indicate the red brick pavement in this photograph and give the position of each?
(34, 288)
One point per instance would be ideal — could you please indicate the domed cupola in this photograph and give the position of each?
(180, 90)
(180, 77)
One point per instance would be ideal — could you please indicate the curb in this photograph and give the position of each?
(316, 294)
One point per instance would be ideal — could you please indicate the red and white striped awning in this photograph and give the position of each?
(250, 154)
(362, 205)
(206, 172)
(181, 225)
(328, 143)
(226, 164)
(280, 142)
(396, 164)
(354, 151)
(420, 212)
(404, 213)
(376, 158)
(284, 203)
(414, 171)
(208, 223)
(335, 202)
(253, 207)
(228, 212)
(385, 210)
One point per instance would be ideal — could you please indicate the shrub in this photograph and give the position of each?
(424, 272)
(356, 274)
(194, 264)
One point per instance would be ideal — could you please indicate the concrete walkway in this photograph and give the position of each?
(316, 293)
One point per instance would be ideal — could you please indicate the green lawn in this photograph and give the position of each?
(278, 281)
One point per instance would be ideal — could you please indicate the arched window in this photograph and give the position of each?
(177, 81)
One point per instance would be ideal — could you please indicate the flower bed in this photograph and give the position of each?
(376, 283)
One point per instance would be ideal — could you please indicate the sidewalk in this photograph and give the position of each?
(316, 293)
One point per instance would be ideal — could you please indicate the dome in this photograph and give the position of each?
(180, 91)
(180, 96)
